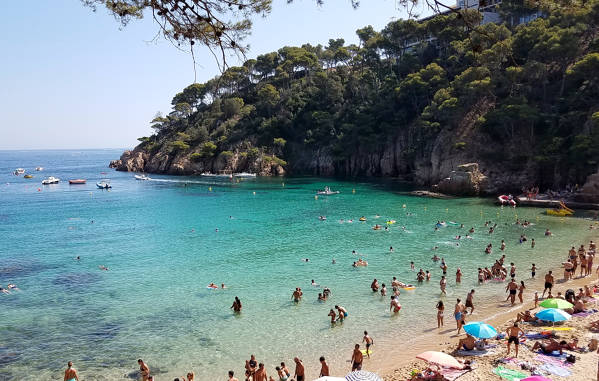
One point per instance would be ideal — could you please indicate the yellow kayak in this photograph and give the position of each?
(558, 212)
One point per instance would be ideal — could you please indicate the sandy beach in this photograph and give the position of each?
(501, 315)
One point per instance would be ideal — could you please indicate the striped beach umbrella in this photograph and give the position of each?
(553, 315)
(362, 375)
(556, 303)
(480, 330)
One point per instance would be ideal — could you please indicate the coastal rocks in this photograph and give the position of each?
(466, 180)
(590, 190)
(429, 194)
(130, 161)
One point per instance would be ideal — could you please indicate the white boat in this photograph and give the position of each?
(19, 171)
(141, 177)
(39, 168)
(104, 184)
(50, 180)
(245, 175)
(327, 192)
(222, 176)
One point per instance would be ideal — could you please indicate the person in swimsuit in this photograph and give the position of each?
(470, 302)
(440, 309)
(548, 283)
(333, 315)
(443, 284)
(533, 270)
(356, 358)
(260, 374)
(282, 375)
(514, 334)
(466, 344)
(299, 370)
(549, 346)
(285, 370)
(521, 291)
(296, 296)
(394, 305)
(342, 312)
(70, 373)
(144, 370)
(324, 367)
(369, 342)
(236, 305)
(374, 285)
(512, 287)
(458, 313)
(458, 276)
(231, 374)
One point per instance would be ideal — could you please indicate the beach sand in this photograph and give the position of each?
(400, 365)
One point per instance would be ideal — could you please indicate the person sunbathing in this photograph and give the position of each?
(548, 346)
(572, 346)
(466, 344)
(526, 316)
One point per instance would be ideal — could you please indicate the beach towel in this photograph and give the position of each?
(559, 361)
(509, 374)
(453, 374)
(536, 336)
(557, 328)
(552, 354)
(474, 353)
(555, 369)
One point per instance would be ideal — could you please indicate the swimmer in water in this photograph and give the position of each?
(334, 261)
(314, 284)
(412, 266)
(77, 258)
(4, 291)
(12, 286)
(305, 260)
(216, 230)
(391, 249)
(102, 267)
(222, 285)
(212, 285)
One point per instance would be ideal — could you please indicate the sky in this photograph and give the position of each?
(74, 79)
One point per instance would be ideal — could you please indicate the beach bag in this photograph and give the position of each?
(593, 344)
(571, 359)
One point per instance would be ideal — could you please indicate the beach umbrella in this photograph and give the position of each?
(480, 330)
(556, 303)
(553, 315)
(535, 378)
(440, 358)
(362, 375)
(327, 378)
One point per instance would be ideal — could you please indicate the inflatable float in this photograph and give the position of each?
(506, 200)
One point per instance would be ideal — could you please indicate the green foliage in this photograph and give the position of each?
(179, 145)
(530, 89)
(196, 157)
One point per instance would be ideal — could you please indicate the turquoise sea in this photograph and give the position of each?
(160, 243)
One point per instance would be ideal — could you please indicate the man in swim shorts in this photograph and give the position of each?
(512, 287)
(260, 374)
(231, 374)
(299, 370)
(549, 346)
(548, 283)
(466, 344)
(356, 358)
(70, 373)
(514, 334)
(324, 367)
(458, 311)
(368, 340)
(470, 301)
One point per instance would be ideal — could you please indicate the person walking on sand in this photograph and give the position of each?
(324, 367)
(533, 271)
(356, 359)
(70, 374)
(470, 302)
(548, 282)
(369, 342)
(440, 309)
(512, 287)
(299, 369)
(144, 370)
(443, 284)
(514, 334)
(521, 289)
(458, 313)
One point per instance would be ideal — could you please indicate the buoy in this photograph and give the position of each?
(403, 206)
(316, 197)
(447, 210)
(209, 189)
(425, 208)
(283, 184)
(353, 191)
(254, 193)
(39, 189)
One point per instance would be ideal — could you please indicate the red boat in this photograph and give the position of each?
(77, 181)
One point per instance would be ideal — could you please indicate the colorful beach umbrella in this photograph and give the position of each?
(480, 330)
(362, 375)
(440, 358)
(535, 378)
(553, 314)
(556, 303)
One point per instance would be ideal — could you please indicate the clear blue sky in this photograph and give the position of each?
(71, 79)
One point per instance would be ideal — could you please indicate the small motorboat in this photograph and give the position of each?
(245, 175)
(28, 176)
(141, 177)
(221, 176)
(506, 200)
(104, 184)
(50, 180)
(327, 192)
(39, 168)
(77, 181)
(19, 171)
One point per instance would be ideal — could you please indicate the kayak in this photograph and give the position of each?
(559, 212)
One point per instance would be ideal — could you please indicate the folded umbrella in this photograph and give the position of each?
(440, 358)
(480, 330)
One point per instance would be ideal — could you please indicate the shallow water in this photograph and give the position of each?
(159, 240)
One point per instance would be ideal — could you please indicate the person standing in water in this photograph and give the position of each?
(458, 276)
(443, 284)
(470, 302)
(369, 342)
(144, 370)
(70, 373)
(299, 369)
(521, 291)
(512, 287)
(440, 309)
(356, 358)
(324, 367)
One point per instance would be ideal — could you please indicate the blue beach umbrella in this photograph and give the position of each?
(362, 375)
(553, 315)
(480, 330)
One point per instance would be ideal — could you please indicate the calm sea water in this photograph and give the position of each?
(159, 240)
